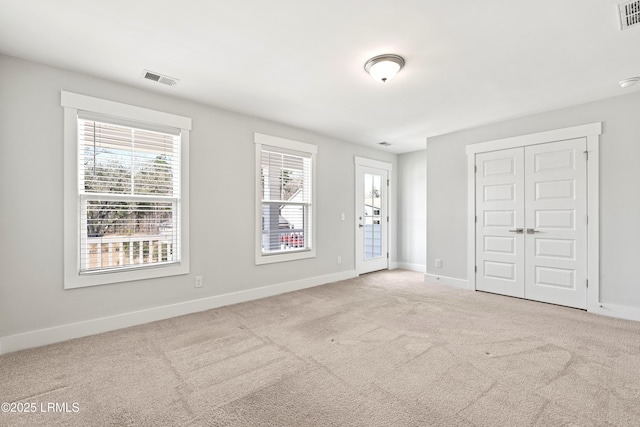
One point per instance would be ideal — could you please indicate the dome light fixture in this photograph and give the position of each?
(384, 67)
(629, 82)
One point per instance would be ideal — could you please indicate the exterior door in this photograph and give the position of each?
(556, 224)
(531, 222)
(500, 222)
(371, 219)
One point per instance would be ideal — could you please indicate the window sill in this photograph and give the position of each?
(284, 257)
(74, 280)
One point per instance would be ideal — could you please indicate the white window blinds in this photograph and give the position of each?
(129, 189)
(286, 200)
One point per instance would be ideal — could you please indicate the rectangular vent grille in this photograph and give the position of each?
(151, 76)
(384, 143)
(168, 81)
(160, 78)
(629, 14)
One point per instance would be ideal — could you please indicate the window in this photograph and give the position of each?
(285, 199)
(126, 193)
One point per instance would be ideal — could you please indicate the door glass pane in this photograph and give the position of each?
(372, 216)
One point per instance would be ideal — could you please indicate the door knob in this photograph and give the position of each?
(531, 231)
(517, 230)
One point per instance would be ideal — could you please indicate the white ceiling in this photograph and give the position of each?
(300, 62)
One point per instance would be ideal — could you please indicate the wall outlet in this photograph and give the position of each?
(339, 260)
(198, 281)
(438, 263)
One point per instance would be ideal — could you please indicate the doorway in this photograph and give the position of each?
(372, 215)
(533, 216)
(531, 233)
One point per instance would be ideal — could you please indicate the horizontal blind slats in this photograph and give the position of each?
(285, 176)
(130, 191)
(286, 196)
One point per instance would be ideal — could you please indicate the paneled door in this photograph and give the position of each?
(531, 222)
(500, 222)
(556, 223)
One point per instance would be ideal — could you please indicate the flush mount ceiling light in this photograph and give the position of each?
(384, 67)
(629, 82)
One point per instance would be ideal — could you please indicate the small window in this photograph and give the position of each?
(125, 198)
(284, 199)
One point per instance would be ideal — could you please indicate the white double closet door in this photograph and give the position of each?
(531, 222)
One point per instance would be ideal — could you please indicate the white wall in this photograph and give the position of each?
(32, 297)
(619, 195)
(412, 210)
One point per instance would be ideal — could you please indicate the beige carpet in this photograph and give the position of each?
(385, 349)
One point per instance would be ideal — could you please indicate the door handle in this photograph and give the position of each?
(360, 225)
(517, 230)
(531, 231)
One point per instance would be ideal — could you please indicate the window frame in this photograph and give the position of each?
(73, 104)
(285, 146)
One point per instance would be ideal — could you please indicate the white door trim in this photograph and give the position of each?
(591, 132)
(592, 129)
(377, 164)
(363, 161)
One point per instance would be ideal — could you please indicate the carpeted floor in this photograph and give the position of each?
(384, 349)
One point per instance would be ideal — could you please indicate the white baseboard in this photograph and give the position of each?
(614, 310)
(605, 309)
(420, 268)
(56, 334)
(449, 281)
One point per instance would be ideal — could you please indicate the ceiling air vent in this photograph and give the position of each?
(384, 143)
(629, 14)
(160, 78)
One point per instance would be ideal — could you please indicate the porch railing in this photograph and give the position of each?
(115, 251)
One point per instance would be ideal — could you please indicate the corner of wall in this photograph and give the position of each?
(420, 268)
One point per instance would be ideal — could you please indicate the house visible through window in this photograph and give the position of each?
(285, 199)
(126, 192)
